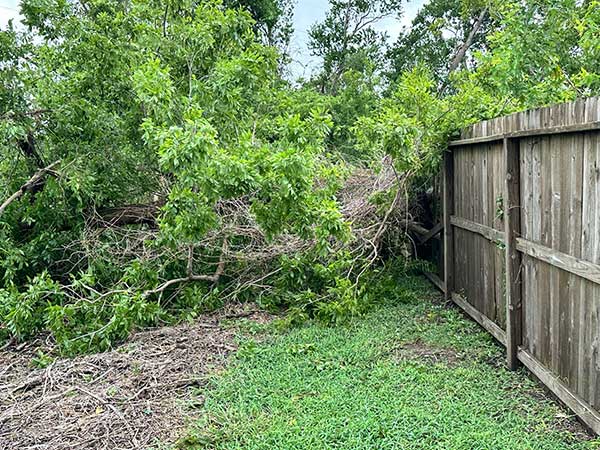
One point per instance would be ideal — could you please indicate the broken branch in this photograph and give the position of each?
(462, 51)
(28, 186)
(191, 277)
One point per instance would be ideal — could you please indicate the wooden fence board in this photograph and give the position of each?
(488, 233)
(527, 220)
(481, 319)
(555, 191)
(547, 275)
(512, 219)
(539, 274)
(561, 352)
(583, 409)
(588, 244)
(552, 269)
(564, 261)
(489, 298)
(448, 238)
(593, 254)
(470, 266)
(546, 131)
(576, 213)
(497, 223)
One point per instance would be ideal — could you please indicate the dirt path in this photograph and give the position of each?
(133, 397)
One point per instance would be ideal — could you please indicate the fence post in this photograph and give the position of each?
(512, 227)
(448, 203)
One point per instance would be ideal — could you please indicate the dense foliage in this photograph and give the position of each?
(168, 106)
(154, 162)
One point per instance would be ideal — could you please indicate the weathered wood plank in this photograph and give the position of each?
(431, 233)
(487, 263)
(589, 292)
(512, 222)
(448, 207)
(564, 129)
(457, 210)
(529, 301)
(477, 299)
(583, 409)
(488, 249)
(497, 224)
(471, 247)
(560, 351)
(538, 284)
(593, 308)
(550, 311)
(576, 215)
(584, 269)
(545, 271)
(464, 253)
(487, 232)
(481, 319)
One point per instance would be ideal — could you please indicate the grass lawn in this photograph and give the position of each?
(412, 374)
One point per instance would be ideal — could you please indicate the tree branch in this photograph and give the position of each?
(462, 51)
(191, 277)
(31, 184)
(127, 215)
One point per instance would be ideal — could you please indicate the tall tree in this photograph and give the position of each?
(347, 38)
(545, 51)
(273, 20)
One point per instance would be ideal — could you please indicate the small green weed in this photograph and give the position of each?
(42, 360)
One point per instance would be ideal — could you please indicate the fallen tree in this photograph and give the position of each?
(191, 174)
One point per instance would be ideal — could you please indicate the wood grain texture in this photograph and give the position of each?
(512, 220)
(546, 285)
(564, 261)
(546, 131)
(448, 210)
(489, 233)
(579, 406)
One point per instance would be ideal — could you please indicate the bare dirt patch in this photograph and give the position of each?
(420, 351)
(133, 397)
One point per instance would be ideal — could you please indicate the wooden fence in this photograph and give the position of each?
(521, 235)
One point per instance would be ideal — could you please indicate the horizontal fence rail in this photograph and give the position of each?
(521, 243)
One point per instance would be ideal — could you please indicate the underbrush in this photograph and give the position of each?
(305, 287)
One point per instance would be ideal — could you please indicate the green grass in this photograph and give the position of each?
(357, 387)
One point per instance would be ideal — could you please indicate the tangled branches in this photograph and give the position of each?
(371, 202)
(123, 273)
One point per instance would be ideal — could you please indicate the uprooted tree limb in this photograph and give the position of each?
(127, 215)
(239, 248)
(236, 255)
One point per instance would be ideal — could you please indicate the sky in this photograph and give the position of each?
(306, 14)
(8, 10)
